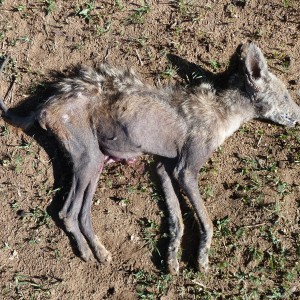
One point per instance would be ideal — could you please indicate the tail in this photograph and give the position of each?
(18, 121)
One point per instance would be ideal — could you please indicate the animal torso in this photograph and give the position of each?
(128, 117)
(136, 123)
(130, 121)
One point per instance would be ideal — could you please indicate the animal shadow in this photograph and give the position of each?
(193, 74)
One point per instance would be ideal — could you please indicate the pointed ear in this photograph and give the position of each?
(255, 65)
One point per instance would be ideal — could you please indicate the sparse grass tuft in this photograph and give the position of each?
(151, 286)
(34, 287)
(215, 65)
(286, 3)
(86, 10)
(138, 15)
(150, 232)
(119, 4)
(50, 6)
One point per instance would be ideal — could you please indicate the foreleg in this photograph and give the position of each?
(186, 173)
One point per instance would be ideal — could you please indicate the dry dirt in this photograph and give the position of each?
(250, 185)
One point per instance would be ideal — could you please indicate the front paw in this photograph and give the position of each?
(173, 266)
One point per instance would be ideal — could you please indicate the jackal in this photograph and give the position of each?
(109, 114)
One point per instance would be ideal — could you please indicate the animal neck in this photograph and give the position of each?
(237, 109)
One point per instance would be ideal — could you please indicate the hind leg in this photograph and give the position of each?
(175, 217)
(82, 147)
(69, 216)
(85, 223)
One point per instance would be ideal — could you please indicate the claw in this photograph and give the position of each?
(87, 254)
(203, 261)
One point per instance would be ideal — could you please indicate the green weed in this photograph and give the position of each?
(169, 72)
(215, 65)
(102, 30)
(119, 4)
(138, 16)
(222, 228)
(286, 3)
(86, 11)
(150, 232)
(40, 217)
(34, 287)
(20, 7)
(151, 286)
(50, 6)
(4, 131)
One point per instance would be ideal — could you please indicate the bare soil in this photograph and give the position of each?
(250, 185)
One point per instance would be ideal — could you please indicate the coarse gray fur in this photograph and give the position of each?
(110, 114)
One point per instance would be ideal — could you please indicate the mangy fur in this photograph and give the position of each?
(110, 114)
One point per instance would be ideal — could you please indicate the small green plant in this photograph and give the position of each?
(102, 30)
(86, 11)
(273, 261)
(50, 6)
(20, 7)
(283, 188)
(18, 163)
(254, 254)
(24, 39)
(286, 3)
(283, 59)
(296, 237)
(4, 131)
(231, 9)
(271, 236)
(188, 10)
(40, 216)
(183, 6)
(15, 205)
(169, 72)
(119, 4)
(156, 195)
(150, 231)
(151, 286)
(78, 46)
(26, 146)
(138, 15)
(35, 287)
(207, 191)
(215, 65)
(222, 227)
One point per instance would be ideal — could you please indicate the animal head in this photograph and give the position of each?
(267, 92)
